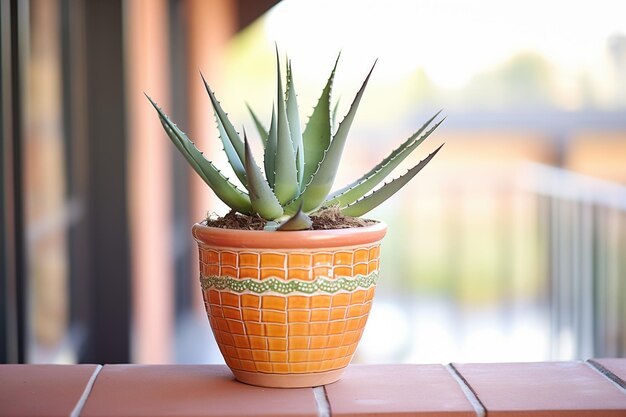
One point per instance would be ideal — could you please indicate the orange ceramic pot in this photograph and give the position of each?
(288, 308)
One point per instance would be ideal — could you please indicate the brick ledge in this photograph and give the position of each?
(595, 387)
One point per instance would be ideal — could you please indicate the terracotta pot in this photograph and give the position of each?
(288, 308)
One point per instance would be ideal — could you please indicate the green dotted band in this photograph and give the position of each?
(325, 285)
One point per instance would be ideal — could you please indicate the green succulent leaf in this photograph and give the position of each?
(293, 117)
(299, 221)
(317, 133)
(285, 171)
(231, 153)
(333, 120)
(229, 129)
(269, 158)
(371, 179)
(263, 133)
(317, 189)
(271, 226)
(300, 164)
(224, 189)
(263, 200)
(374, 199)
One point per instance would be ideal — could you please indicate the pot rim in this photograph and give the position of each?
(263, 239)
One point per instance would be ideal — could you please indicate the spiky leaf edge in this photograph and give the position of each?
(322, 180)
(372, 178)
(262, 131)
(317, 133)
(293, 118)
(285, 171)
(231, 154)
(379, 196)
(223, 189)
(229, 129)
(263, 200)
(269, 156)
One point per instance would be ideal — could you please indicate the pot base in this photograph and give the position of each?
(314, 379)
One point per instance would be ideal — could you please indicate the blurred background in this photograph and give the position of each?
(509, 246)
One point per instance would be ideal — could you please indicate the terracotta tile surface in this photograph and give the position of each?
(543, 389)
(616, 366)
(394, 390)
(42, 390)
(189, 390)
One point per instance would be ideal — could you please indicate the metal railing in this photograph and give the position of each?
(583, 222)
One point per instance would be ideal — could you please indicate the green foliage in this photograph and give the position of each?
(300, 164)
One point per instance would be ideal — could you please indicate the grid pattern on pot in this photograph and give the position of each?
(288, 334)
(347, 262)
(267, 329)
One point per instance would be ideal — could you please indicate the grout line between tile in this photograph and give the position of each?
(606, 373)
(321, 400)
(78, 408)
(479, 408)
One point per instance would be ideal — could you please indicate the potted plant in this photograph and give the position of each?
(288, 302)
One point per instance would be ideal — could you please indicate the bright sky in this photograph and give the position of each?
(451, 39)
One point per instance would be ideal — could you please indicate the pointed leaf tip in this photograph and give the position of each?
(225, 190)
(323, 177)
(357, 189)
(380, 195)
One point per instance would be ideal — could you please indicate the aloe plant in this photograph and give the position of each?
(299, 165)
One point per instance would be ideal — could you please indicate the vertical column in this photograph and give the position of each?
(150, 179)
(107, 200)
(210, 25)
(12, 254)
(47, 213)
